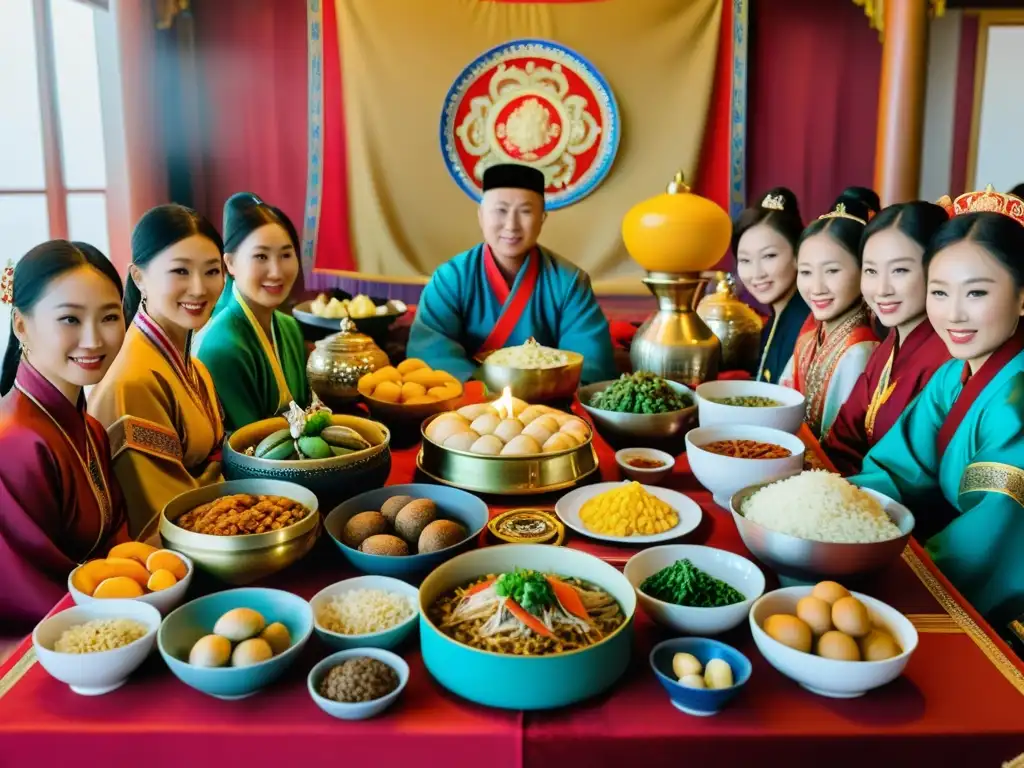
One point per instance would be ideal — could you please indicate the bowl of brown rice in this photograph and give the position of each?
(365, 612)
(817, 525)
(94, 648)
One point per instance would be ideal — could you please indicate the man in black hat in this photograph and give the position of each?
(508, 289)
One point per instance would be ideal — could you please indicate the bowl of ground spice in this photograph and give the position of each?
(358, 683)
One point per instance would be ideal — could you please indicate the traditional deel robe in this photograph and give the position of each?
(256, 377)
(164, 422)
(467, 310)
(60, 503)
(964, 436)
(826, 364)
(778, 338)
(894, 376)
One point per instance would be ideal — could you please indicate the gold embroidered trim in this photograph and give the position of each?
(18, 671)
(130, 433)
(881, 394)
(970, 627)
(993, 477)
(935, 623)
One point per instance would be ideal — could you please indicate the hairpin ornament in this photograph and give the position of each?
(946, 204)
(840, 213)
(990, 201)
(774, 203)
(7, 284)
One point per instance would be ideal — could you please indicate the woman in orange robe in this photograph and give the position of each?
(836, 341)
(894, 286)
(59, 500)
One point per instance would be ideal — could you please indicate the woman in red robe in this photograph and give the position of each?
(894, 287)
(60, 501)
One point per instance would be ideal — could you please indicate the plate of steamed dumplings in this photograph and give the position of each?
(487, 431)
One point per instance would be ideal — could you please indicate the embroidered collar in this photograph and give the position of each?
(71, 417)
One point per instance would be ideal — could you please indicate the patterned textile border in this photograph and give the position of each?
(15, 673)
(315, 48)
(738, 124)
(995, 654)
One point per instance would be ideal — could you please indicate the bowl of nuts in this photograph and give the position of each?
(242, 530)
(357, 683)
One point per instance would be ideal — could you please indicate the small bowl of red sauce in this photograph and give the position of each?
(645, 465)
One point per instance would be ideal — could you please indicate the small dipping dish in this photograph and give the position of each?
(357, 710)
(663, 463)
(701, 702)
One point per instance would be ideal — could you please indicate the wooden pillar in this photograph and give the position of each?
(901, 100)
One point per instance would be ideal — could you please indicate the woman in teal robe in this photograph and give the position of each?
(963, 437)
(254, 352)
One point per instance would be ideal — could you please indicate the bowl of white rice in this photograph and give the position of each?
(365, 612)
(95, 647)
(816, 525)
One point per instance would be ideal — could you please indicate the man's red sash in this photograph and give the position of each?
(512, 310)
(976, 384)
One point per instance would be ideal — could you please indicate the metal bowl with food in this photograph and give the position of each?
(804, 559)
(333, 479)
(375, 325)
(661, 431)
(751, 403)
(532, 373)
(580, 648)
(241, 558)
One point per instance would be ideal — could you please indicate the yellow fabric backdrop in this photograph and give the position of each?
(398, 59)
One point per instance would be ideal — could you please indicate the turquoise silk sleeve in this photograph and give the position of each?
(584, 329)
(438, 328)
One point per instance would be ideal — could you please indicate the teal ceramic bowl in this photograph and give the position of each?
(184, 626)
(452, 504)
(526, 682)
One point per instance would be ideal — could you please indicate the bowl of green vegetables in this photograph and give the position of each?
(695, 590)
(641, 410)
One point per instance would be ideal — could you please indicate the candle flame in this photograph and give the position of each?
(503, 405)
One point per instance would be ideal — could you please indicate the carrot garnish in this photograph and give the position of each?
(569, 598)
(527, 618)
(479, 587)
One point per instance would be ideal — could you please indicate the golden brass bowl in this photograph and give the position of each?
(242, 559)
(534, 385)
(333, 480)
(506, 475)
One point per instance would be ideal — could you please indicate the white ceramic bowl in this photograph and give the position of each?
(388, 638)
(92, 674)
(359, 710)
(788, 417)
(165, 601)
(828, 677)
(641, 474)
(737, 571)
(725, 475)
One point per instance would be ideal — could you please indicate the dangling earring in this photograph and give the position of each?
(143, 302)
(24, 350)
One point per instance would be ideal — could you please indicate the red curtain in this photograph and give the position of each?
(813, 99)
(251, 58)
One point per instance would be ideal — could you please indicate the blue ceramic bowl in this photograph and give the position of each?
(699, 701)
(388, 638)
(526, 682)
(452, 504)
(183, 627)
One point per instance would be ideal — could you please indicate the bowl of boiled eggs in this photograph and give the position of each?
(831, 641)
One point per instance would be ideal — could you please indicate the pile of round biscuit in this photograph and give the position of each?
(534, 429)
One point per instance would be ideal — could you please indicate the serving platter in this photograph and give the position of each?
(568, 510)
(371, 326)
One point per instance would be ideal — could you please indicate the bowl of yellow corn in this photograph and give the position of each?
(628, 512)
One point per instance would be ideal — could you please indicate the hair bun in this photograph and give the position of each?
(780, 199)
(860, 202)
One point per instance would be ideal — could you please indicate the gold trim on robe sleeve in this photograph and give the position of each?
(131, 433)
(993, 477)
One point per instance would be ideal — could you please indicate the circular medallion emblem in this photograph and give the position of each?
(532, 102)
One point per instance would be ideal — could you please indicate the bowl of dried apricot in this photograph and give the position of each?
(242, 530)
(133, 571)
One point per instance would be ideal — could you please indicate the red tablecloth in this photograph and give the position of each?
(960, 701)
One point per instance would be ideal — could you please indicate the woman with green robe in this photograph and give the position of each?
(255, 353)
(962, 439)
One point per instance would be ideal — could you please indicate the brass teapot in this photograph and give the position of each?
(339, 361)
(737, 325)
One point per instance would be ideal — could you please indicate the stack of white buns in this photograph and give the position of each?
(508, 427)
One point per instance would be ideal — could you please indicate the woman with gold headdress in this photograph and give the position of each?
(836, 341)
(893, 284)
(764, 240)
(158, 402)
(963, 436)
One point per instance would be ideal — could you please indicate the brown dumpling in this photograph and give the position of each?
(384, 544)
(413, 518)
(392, 507)
(360, 527)
(439, 535)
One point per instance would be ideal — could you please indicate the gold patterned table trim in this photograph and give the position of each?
(18, 671)
(970, 627)
(935, 623)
